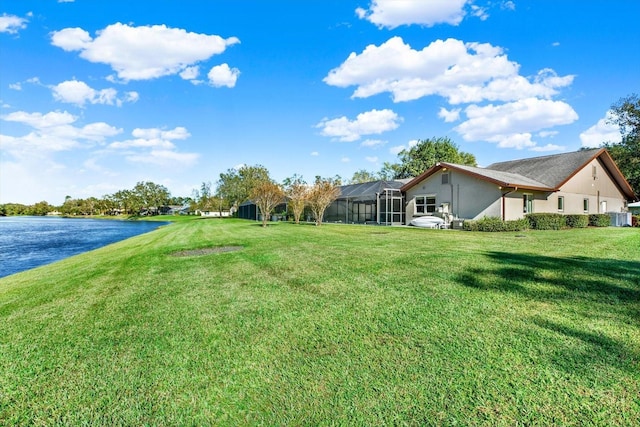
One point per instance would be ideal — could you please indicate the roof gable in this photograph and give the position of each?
(552, 170)
(500, 178)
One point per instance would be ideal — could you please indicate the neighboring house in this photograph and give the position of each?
(581, 182)
(634, 208)
(214, 214)
(249, 210)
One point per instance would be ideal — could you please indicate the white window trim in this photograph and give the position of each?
(425, 196)
(525, 205)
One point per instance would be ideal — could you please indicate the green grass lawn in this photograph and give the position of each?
(330, 325)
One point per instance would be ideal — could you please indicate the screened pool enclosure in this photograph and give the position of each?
(377, 202)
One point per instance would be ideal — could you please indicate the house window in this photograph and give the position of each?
(425, 204)
(561, 203)
(445, 178)
(527, 203)
(585, 205)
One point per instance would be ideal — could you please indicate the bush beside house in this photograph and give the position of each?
(542, 221)
(493, 224)
(546, 221)
(577, 221)
(599, 220)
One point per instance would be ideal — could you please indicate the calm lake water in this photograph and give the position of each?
(29, 242)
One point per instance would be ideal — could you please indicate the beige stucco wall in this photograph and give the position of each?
(468, 197)
(583, 185)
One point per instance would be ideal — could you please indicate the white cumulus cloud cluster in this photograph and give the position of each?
(155, 146)
(460, 72)
(502, 106)
(80, 93)
(222, 75)
(145, 52)
(394, 13)
(603, 131)
(12, 24)
(372, 122)
(53, 131)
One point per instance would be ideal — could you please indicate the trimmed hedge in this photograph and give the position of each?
(542, 221)
(577, 221)
(546, 221)
(495, 224)
(599, 220)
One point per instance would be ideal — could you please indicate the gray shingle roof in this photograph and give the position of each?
(367, 190)
(552, 171)
(507, 178)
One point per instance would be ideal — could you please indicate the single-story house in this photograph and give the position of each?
(634, 208)
(581, 182)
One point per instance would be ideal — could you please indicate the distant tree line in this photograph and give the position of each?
(146, 198)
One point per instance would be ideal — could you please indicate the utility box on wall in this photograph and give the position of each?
(620, 219)
(456, 224)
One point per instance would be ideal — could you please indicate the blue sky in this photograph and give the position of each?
(98, 95)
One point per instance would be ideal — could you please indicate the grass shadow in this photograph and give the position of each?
(594, 278)
(584, 288)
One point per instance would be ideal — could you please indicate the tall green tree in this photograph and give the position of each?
(425, 154)
(151, 196)
(626, 114)
(235, 185)
(362, 176)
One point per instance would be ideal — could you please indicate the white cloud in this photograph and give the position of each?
(165, 158)
(155, 146)
(345, 160)
(145, 52)
(41, 121)
(510, 125)
(369, 123)
(151, 133)
(143, 143)
(548, 147)
(79, 93)
(479, 12)
(15, 86)
(53, 132)
(460, 72)
(548, 133)
(603, 131)
(508, 5)
(12, 24)
(371, 159)
(398, 148)
(372, 143)
(222, 75)
(190, 73)
(393, 13)
(315, 153)
(449, 115)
